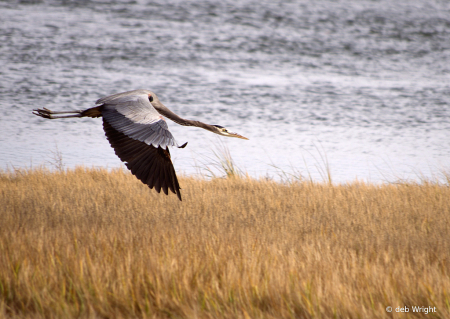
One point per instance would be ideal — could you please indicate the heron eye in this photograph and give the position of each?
(150, 98)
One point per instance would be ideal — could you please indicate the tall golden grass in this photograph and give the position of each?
(92, 243)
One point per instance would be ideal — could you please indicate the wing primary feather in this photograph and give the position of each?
(167, 176)
(166, 180)
(140, 168)
(149, 164)
(162, 177)
(171, 183)
(151, 173)
(156, 180)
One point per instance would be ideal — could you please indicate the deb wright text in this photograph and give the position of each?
(424, 310)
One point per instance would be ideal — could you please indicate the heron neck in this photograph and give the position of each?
(205, 126)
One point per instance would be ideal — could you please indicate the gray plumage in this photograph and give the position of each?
(134, 126)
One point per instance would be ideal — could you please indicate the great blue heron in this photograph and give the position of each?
(135, 128)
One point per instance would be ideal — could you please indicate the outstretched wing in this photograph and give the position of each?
(151, 165)
(132, 114)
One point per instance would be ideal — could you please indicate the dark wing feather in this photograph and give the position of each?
(149, 164)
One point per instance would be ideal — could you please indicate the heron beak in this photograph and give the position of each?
(232, 134)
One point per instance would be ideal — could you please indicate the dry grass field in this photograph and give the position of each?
(89, 243)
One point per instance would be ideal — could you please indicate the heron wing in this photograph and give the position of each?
(155, 133)
(151, 165)
(132, 114)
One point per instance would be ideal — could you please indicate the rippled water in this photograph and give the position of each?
(364, 83)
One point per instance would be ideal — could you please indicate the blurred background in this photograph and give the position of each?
(359, 87)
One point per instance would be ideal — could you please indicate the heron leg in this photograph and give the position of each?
(49, 114)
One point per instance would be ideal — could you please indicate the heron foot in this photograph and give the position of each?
(45, 113)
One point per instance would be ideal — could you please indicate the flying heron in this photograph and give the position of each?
(134, 126)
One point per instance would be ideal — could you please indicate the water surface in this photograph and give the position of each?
(364, 83)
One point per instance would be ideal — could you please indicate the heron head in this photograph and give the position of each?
(224, 132)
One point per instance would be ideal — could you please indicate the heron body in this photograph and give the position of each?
(135, 127)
